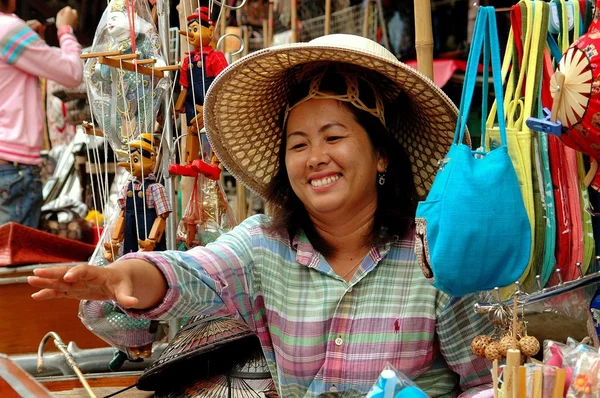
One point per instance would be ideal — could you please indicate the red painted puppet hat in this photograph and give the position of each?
(202, 14)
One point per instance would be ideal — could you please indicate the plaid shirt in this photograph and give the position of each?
(156, 195)
(319, 333)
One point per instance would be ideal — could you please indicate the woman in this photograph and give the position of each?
(330, 282)
(24, 57)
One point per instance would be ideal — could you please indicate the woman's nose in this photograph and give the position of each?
(318, 156)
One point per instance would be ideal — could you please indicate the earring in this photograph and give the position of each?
(381, 178)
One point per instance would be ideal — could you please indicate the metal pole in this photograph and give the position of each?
(171, 227)
(163, 28)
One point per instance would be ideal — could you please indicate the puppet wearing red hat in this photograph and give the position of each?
(200, 67)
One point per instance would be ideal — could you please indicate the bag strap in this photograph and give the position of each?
(485, 33)
(470, 74)
(535, 61)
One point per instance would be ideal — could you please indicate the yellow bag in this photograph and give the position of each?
(517, 111)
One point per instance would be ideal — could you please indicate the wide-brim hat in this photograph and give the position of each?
(243, 107)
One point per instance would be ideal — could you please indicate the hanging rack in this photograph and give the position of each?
(543, 294)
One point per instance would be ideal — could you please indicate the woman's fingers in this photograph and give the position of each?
(51, 273)
(88, 273)
(46, 294)
(47, 283)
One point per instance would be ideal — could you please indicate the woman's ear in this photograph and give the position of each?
(382, 161)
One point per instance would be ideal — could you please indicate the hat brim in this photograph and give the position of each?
(244, 103)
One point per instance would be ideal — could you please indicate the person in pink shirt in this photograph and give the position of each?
(24, 58)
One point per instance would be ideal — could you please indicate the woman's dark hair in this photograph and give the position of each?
(3, 4)
(397, 198)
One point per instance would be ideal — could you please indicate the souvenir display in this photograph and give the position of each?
(499, 231)
(125, 102)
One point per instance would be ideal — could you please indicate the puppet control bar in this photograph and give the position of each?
(130, 62)
(543, 294)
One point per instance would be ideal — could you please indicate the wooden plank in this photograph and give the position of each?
(26, 321)
(15, 382)
(111, 380)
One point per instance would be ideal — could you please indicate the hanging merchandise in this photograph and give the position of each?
(144, 204)
(474, 221)
(579, 103)
(133, 338)
(199, 69)
(208, 214)
(125, 96)
(522, 54)
(567, 85)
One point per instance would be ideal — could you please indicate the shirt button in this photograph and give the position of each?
(339, 341)
(333, 389)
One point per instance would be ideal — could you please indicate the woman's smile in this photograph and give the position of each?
(321, 183)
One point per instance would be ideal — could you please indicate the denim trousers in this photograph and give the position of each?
(20, 194)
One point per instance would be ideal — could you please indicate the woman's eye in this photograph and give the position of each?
(333, 138)
(298, 146)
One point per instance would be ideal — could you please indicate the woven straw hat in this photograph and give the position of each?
(243, 107)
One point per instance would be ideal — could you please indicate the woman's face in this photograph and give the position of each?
(330, 161)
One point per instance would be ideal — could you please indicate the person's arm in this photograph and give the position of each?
(24, 49)
(456, 327)
(216, 279)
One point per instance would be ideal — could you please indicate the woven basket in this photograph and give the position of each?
(21, 245)
(205, 347)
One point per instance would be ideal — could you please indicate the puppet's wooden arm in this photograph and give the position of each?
(158, 227)
(111, 248)
(89, 129)
(180, 103)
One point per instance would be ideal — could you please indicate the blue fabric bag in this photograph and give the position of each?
(473, 232)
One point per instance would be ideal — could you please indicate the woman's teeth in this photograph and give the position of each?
(325, 181)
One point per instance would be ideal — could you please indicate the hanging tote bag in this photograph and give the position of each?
(519, 109)
(473, 232)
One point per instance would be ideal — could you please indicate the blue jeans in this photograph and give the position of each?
(20, 194)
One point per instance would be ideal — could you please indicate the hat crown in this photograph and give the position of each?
(356, 43)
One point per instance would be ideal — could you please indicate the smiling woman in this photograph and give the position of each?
(340, 139)
(342, 105)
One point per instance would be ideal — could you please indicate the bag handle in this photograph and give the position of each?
(485, 32)
(470, 74)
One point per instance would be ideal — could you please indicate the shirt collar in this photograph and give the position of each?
(206, 50)
(150, 176)
(307, 255)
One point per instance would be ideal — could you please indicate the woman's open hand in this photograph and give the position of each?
(84, 282)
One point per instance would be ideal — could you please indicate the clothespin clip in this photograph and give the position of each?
(208, 170)
(545, 125)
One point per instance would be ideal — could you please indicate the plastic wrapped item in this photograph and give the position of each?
(585, 382)
(134, 338)
(393, 384)
(125, 103)
(208, 214)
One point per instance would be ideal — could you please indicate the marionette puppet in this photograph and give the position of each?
(199, 68)
(124, 73)
(144, 204)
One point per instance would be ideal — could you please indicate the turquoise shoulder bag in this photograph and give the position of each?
(472, 231)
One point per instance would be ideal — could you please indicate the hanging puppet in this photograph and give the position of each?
(144, 204)
(125, 103)
(199, 68)
(208, 214)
